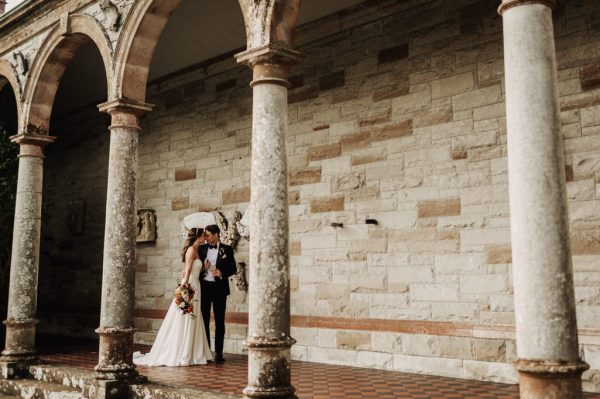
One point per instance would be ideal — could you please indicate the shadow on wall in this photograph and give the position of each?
(8, 187)
(72, 243)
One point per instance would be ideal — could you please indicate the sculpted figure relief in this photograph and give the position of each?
(146, 225)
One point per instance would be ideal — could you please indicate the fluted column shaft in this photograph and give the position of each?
(118, 271)
(21, 320)
(269, 340)
(546, 325)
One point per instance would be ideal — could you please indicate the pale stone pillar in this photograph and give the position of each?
(546, 325)
(20, 350)
(269, 340)
(116, 330)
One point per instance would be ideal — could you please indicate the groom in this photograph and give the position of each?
(218, 265)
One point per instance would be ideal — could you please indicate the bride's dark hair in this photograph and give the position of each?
(193, 234)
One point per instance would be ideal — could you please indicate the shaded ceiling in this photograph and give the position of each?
(197, 31)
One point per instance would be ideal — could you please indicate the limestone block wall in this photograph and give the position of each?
(398, 115)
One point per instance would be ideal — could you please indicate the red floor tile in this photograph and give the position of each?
(312, 380)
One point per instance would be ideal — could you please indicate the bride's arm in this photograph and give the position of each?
(190, 256)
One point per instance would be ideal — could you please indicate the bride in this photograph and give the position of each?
(181, 340)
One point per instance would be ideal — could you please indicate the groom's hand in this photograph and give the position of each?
(217, 273)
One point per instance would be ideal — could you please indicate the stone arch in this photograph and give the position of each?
(50, 63)
(8, 75)
(134, 51)
(141, 32)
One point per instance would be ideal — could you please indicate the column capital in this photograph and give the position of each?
(270, 63)
(506, 4)
(269, 54)
(125, 113)
(126, 106)
(32, 145)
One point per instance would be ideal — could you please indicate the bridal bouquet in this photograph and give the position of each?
(184, 294)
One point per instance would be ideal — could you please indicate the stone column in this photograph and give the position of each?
(547, 347)
(116, 330)
(20, 350)
(269, 340)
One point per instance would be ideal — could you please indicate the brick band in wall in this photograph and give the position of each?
(474, 330)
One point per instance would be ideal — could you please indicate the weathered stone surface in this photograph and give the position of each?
(305, 176)
(326, 151)
(180, 203)
(590, 77)
(327, 204)
(400, 129)
(236, 196)
(436, 208)
(182, 174)
(332, 81)
(498, 254)
(393, 53)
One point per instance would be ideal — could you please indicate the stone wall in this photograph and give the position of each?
(400, 119)
(70, 277)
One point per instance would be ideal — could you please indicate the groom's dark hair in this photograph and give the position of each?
(213, 228)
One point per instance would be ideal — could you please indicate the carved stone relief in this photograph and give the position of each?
(111, 15)
(146, 225)
(229, 235)
(243, 224)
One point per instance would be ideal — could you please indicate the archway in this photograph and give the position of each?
(180, 49)
(58, 104)
(8, 185)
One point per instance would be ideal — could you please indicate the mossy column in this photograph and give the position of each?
(115, 362)
(269, 340)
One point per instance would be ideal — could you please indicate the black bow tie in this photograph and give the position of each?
(212, 246)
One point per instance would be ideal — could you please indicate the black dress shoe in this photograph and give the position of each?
(219, 359)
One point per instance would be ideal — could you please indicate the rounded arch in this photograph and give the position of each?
(8, 75)
(50, 63)
(136, 45)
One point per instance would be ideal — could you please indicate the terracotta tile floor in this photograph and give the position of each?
(312, 380)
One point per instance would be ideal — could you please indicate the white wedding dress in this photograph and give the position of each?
(181, 340)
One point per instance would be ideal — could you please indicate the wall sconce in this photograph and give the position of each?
(335, 225)
(371, 221)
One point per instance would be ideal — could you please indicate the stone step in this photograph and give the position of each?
(73, 377)
(145, 391)
(33, 389)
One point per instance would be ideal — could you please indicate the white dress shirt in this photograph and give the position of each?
(211, 256)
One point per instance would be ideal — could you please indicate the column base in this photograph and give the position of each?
(115, 355)
(114, 389)
(20, 352)
(539, 379)
(269, 371)
(16, 367)
(251, 392)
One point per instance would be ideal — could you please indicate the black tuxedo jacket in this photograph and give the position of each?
(225, 263)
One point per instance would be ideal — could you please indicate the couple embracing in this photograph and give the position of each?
(184, 340)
